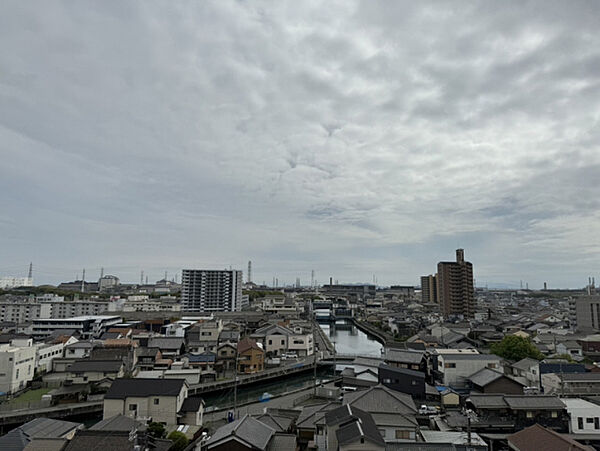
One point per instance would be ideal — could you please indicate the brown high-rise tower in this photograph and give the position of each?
(455, 286)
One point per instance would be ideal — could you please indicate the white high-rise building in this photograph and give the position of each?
(211, 290)
(15, 282)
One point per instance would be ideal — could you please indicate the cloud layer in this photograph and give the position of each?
(353, 138)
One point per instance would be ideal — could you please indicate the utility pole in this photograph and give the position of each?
(235, 381)
(334, 364)
(312, 321)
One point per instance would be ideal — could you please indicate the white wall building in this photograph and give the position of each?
(46, 353)
(7, 283)
(584, 416)
(17, 365)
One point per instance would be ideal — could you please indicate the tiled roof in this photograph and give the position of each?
(537, 437)
(247, 429)
(123, 388)
(101, 366)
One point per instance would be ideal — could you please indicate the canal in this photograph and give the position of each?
(349, 339)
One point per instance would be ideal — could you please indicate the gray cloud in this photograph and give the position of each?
(355, 138)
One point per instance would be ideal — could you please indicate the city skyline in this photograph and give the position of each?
(363, 138)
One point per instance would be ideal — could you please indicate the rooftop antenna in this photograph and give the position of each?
(101, 273)
(249, 271)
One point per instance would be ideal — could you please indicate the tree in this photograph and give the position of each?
(180, 441)
(513, 347)
(157, 430)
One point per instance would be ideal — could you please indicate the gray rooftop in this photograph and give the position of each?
(248, 429)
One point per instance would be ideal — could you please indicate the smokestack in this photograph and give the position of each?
(545, 286)
(331, 281)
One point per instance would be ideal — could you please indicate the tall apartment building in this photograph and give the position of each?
(455, 286)
(211, 290)
(584, 313)
(429, 289)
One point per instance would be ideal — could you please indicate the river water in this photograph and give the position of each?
(349, 339)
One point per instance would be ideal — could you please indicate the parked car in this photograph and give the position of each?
(428, 410)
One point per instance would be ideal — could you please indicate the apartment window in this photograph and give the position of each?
(156, 401)
(132, 407)
(17, 376)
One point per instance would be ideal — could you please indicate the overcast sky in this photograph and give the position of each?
(352, 138)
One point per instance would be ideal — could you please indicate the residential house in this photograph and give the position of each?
(453, 368)
(487, 380)
(349, 428)
(36, 431)
(571, 384)
(226, 354)
(519, 411)
(147, 357)
(364, 378)
(277, 340)
(537, 437)
(204, 335)
(571, 348)
(409, 359)
(403, 380)
(381, 402)
(158, 400)
(584, 416)
(251, 356)
(306, 424)
(525, 370)
(170, 347)
(79, 350)
(93, 371)
(250, 434)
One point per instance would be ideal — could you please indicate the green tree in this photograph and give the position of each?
(513, 347)
(179, 439)
(157, 430)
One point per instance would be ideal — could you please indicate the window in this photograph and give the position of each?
(449, 365)
(554, 414)
(402, 434)
(156, 401)
(529, 414)
(596, 423)
(492, 365)
(413, 382)
(282, 342)
(270, 342)
(589, 420)
(132, 407)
